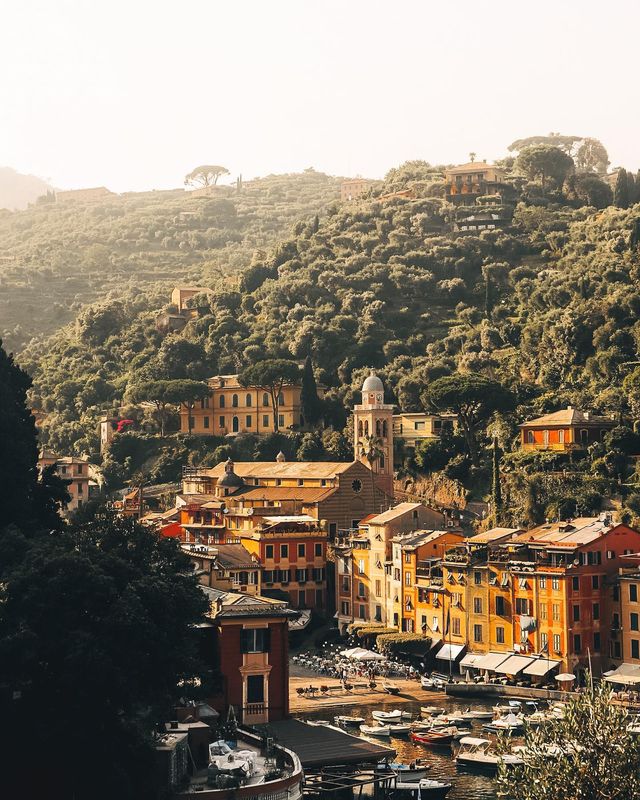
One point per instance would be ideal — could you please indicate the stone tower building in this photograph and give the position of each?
(373, 432)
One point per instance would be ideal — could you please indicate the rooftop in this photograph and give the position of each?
(494, 535)
(299, 493)
(472, 166)
(414, 539)
(568, 416)
(233, 604)
(283, 469)
(229, 556)
(570, 534)
(394, 513)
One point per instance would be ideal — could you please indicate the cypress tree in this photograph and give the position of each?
(631, 189)
(309, 400)
(621, 191)
(496, 489)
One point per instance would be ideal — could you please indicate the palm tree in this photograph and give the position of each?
(371, 448)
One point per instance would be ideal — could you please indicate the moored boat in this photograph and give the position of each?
(347, 721)
(434, 738)
(431, 711)
(387, 716)
(414, 771)
(509, 723)
(375, 730)
(399, 730)
(475, 753)
(390, 688)
(424, 789)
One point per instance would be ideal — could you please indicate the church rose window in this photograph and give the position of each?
(356, 485)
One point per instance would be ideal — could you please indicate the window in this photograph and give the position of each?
(555, 612)
(280, 399)
(221, 422)
(456, 599)
(610, 555)
(268, 551)
(378, 588)
(265, 420)
(356, 486)
(254, 640)
(407, 558)
(317, 549)
(615, 621)
(477, 633)
(616, 649)
(407, 579)
(556, 643)
(596, 641)
(633, 592)
(544, 642)
(596, 611)
(284, 551)
(477, 577)
(301, 575)
(500, 634)
(205, 421)
(361, 589)
(361, 566)
(247, 400)
(543, 611)
(477, 605)
(555, 583)
(396, 574)
(423, 622)
(247, 421)
(616, 592)
(344, 608)
(361, 612)
(543, 583)
(633, 622)
(300, 481)
(255, 688)
(576, 613)
(530, 437)
(301, 551)
(577, 643)
(635, 648)
(381, 461)
(575, 584)
(522, 605)
(346, 585)
(80, 488)
(281, 420)
(455, 626)
(378, 613)
(267, 576)
(222, 401)
(500, 606)
(561, 436)
(285, 575)
(234, 401)
(235, 424)
(595, 581)
(265, 400)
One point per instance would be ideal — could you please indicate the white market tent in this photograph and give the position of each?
(626, 674)
(360, 654)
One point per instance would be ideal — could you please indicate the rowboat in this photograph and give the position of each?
(433, 737)
(431, 711)
(425, 789)
(375, 730)
(406, 772)
(387, 716)
(346, 721)
(399, 730)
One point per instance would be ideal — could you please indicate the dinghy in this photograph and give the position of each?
(425, 789)
(375, 730)
(387, 716)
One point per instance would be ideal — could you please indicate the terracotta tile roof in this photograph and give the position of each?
(410, 541)
(493, 535)
(283, 469)
(568, 416)
(472, 166)
(299, 493)
(393, 513)
(570, 534)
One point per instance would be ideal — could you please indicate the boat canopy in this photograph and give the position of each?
(491, 661)
(541, 666)
(471, 659)
(473, 741)
(450, 652)
(514, 664)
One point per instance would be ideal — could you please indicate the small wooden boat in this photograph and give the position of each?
(399, 730)
(318, 722)
(434, 738)
(471, 713)
(375, 730)
(387, 716)
(347, 721)
(414, 771)
(474, 753)
(390, 688)
(424, 789)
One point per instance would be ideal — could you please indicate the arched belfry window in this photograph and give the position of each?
(360, 429)
(384, 427)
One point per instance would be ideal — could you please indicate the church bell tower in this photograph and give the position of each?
(373, 432)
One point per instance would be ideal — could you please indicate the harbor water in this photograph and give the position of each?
(466, 785)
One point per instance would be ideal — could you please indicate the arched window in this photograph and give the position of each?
(221, 401)
(381, 461)
(234, 401)
(280, 399)
(360, 428)
(235, 425)
(530, 437)
(384, 427)
(377, 427)
(247, 400)
(366, 427)
(265, 399)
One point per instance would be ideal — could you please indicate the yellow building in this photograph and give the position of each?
(79, 474)
(413, 427)
(181, 294)
(232, 409)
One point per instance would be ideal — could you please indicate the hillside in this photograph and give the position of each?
(17, 190)
(57, 257)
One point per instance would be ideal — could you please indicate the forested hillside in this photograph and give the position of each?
(57, 257)
(543, 307)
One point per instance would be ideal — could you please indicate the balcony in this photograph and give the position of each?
(255, 713)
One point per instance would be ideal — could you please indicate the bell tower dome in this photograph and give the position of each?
(373, 432)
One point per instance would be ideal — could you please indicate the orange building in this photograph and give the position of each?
(79, 475)
(467, 181)
(569, 429)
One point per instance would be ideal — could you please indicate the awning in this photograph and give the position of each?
(514, 664)
(541, 666)
(471, 660)
(450, 652)
(491, 661)
(625, 674)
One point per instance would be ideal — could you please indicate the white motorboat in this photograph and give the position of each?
(375, 730)
(472, 714)
(387, 716)
(424, 789)
(431, 711)
(399, 730)
(318, 722)
(413, 772)
(475, 753)
(431, 683)
(508, 723)
(347, 721)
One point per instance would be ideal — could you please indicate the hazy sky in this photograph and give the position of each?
(132, 95)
